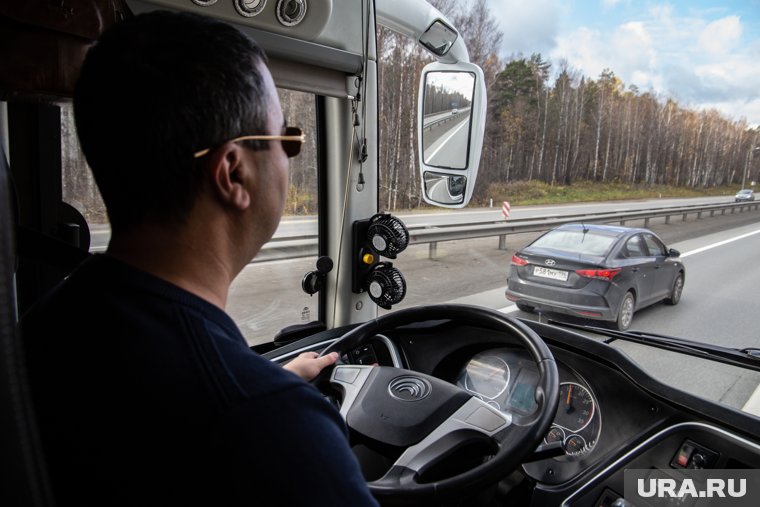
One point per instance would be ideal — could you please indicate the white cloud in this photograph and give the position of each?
(628, 52)
(721, 36)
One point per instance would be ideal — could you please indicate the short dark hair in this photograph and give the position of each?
(152, 91)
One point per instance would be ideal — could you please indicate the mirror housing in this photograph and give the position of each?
(450, 131)
(674, 253)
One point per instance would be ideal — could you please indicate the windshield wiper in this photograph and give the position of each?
(747, 357)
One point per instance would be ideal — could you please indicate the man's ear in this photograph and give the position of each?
(229, 176)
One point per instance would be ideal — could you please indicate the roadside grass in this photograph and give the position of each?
(525, 193)
(537, 192)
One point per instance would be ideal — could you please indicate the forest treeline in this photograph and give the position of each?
(554, 124)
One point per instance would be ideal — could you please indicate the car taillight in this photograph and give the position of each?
(603, 274)
(519, 261)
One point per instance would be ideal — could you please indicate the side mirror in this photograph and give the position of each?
(674, 253)
(450, 125)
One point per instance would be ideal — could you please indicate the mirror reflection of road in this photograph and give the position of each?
(447, 130)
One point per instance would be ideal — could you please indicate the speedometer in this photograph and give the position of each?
(576, 407)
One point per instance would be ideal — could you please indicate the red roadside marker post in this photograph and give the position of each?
(505, 209)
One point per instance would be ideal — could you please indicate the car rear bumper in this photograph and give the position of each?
(577, 303)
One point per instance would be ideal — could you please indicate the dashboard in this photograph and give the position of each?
(611, 415)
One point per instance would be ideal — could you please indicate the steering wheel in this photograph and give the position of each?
(431, 418)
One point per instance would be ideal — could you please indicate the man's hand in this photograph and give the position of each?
(308, 364)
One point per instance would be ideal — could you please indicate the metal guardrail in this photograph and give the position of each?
(292, 247)
(429, 125)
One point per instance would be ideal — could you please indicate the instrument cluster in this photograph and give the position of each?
(507, 378)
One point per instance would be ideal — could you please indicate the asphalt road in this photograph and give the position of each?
(267, 296)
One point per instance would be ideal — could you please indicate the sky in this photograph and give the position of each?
(703, 53)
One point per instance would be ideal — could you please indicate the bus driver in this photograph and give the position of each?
(145, 390)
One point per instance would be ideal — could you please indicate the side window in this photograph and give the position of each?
(266, 296)
(655, 245)
(634, 247)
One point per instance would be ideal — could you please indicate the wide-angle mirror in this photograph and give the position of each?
(445, 188)
(451, 120)
(438, 38)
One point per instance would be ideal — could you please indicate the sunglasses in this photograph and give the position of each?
(291, 142)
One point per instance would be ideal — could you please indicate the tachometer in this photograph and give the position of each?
(576, 407)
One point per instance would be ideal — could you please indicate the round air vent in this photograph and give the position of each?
(250, 8)
(290, 12)
(388, 235)
(385, 285)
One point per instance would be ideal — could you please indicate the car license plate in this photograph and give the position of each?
(554, 274)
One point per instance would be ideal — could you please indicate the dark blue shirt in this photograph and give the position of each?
(149, 395)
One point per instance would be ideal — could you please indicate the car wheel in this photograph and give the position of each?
(625, 312)
(524, 307)
(675, 293)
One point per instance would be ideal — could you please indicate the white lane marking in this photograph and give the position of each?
(720, 243)
(753, 403)
(453, 133)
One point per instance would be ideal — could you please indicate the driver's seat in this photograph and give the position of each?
(23, 477)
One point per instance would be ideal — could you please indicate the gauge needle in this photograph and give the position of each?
(568, 401)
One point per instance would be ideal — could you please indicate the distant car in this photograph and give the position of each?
(595, 271)
(454, 111)
(744, 194)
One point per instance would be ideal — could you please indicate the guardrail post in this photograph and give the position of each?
(684, 217)
(503, 242)
(646, 222)
(699, 215)
(622, 222)
(733, 210)
(712, 213)
(433, 250)
(723, 211)
(667, 219)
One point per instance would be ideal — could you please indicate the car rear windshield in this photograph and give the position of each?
(589, 243)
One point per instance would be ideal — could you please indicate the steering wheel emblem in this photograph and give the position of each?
(409, 388)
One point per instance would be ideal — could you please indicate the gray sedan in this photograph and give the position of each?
(595, 271)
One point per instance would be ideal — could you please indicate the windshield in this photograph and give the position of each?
(580, 124)
(579, 128)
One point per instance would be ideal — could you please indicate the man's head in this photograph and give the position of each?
(153, 91)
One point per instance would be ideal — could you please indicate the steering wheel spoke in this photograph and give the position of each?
(475, 420)
(350, 379)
